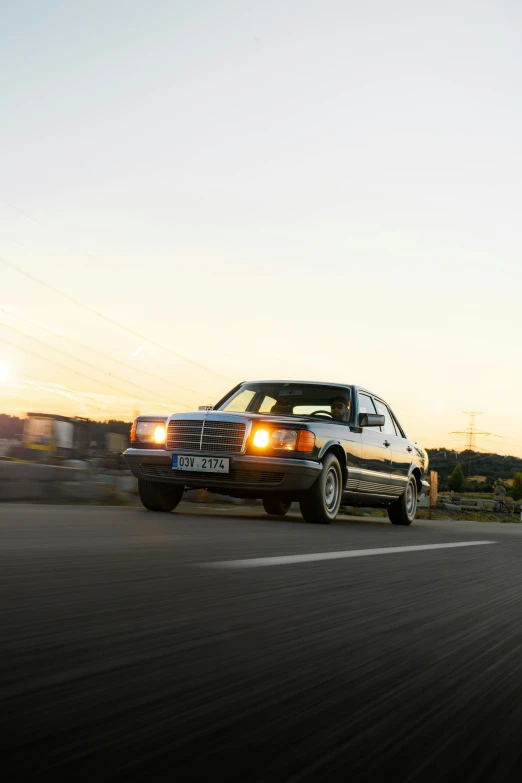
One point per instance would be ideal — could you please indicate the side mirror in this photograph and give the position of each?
(371, 420)
(205, 407)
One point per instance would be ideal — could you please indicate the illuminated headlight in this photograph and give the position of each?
(261, 439)
(159, 434)
(148, 432)
(283, 439)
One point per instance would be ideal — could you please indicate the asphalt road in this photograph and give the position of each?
(132, 648)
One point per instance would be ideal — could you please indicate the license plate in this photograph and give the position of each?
(203, 464)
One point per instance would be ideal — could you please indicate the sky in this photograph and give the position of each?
(211, 192)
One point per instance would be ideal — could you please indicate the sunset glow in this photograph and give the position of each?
(5, 372)
(349, 217)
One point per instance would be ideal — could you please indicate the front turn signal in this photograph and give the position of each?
(305, 441)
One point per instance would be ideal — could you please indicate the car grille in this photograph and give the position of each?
(212, 479)
(221, 437)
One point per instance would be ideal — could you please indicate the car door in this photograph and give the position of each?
(401, 450)
(351, 442)
(376, 455)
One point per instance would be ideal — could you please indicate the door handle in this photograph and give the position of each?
(386, 443)
(409, 448)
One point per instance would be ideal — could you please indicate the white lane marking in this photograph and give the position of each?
(256, 562)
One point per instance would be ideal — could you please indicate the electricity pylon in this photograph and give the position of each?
(471, 435)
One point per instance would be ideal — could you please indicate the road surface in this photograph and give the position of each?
(143, 646)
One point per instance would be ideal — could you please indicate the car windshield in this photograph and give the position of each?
(291, 399)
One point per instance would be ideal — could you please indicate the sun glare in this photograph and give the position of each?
(5, 373)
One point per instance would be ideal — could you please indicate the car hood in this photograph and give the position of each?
(280, 418)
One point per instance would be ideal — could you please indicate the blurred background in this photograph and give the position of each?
(199, 194)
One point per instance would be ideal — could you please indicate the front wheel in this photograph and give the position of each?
(320, 503)
(276, 506)
(402, 512)
(159, 497)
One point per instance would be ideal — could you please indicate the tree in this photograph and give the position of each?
(10, 426)
(516, 489)
(457, 481)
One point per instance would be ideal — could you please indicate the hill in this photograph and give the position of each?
(10, 426)
(491, 466)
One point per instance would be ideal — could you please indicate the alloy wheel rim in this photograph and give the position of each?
(331, 490)
(410, 499)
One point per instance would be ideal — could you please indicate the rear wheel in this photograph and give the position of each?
(159, 497)
(320, 504)
(403, 511)
(275, 505)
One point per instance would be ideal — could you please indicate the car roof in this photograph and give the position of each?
(311, 383)
(367, 391)
(318, 383)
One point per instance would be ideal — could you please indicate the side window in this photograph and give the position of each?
(366, 406)
(389, 426)
(398, 427)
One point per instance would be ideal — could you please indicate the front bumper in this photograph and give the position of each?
(248, 473)
(425, 489)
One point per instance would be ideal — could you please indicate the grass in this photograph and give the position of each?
(471, 516)
(476, 496)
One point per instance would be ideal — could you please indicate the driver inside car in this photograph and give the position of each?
(339, 409)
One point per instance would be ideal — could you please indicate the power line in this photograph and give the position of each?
(471, 435)
(82, 361)
(76, 372)
(50, 228)
(439, 463)
(88, 364)
(453, 456)
(471, 432)
(483, 456)
(111, 321)
(69, 392)
(26, 215)
(95, 350)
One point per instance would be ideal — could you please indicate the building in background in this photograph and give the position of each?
(49, 434)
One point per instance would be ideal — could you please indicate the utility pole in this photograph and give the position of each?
(471, 435)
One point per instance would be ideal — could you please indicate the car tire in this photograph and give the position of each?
(403, 511)
(159, 497)
(277, 506)
(320, 504)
